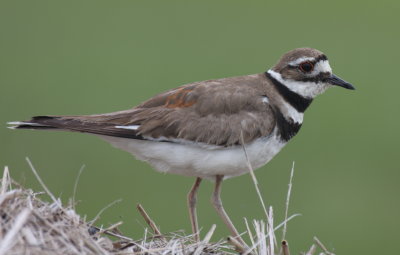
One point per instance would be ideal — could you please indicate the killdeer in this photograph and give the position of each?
(199, 129)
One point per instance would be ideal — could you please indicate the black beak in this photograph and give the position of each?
(334, 80)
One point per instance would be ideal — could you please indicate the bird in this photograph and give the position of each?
(200, 129)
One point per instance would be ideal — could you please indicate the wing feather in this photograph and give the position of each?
(214, 112)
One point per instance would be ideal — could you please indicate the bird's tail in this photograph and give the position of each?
(37, 122)
(94, 124)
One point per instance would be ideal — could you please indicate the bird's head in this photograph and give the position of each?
(306, 72)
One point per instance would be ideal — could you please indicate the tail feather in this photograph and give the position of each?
(28, 125)
(43, 122)
(85, 124)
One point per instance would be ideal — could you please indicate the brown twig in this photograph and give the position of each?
(253, 177)
(285, 248)
(20, 220)
(287, 202)
(238, 246)
(110, 233)
(322, 246)
(5, 180)
(92, 222)
(149, 221)
(73, 203)
(206, 240)
(110, 228)
(56, 201)
(312, 250)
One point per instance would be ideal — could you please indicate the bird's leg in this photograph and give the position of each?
(217, 203)
(191, 200)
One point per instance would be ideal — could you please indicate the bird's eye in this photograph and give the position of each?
(306, 66)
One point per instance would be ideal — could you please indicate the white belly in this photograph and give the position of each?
(200, 160)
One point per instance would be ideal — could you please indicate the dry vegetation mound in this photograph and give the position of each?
(30, 225)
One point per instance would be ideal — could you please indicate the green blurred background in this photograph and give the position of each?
(84, 57)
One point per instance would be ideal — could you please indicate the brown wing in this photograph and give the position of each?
(212, 112)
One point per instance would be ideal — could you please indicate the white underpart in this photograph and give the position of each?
(133, 127)
(265, 99)
(304, 88)
(197, 160)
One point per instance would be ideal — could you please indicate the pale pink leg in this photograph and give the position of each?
(191, 200)
(217, 203)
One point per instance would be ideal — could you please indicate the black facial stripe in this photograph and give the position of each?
(286, 129)
(299, 102)
(317, 79)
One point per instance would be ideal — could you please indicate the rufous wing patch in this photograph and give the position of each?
(180, 99)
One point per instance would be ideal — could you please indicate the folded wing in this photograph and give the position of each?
(213, 112)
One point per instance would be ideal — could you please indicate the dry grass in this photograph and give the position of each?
(30, 225)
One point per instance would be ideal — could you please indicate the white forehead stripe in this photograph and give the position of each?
(299, 60)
